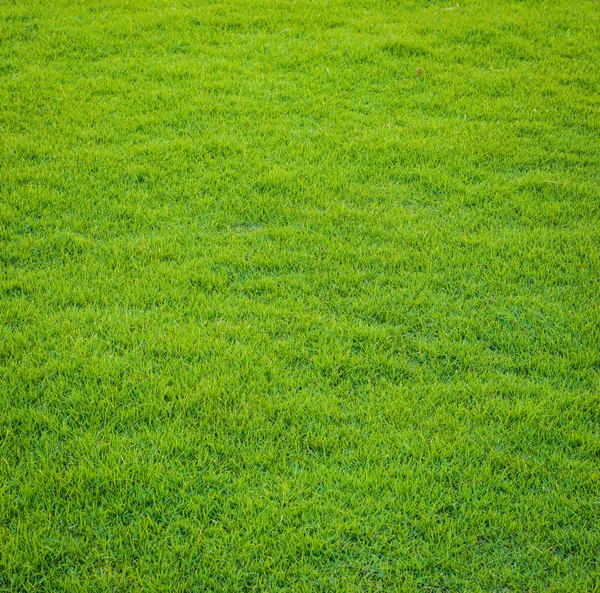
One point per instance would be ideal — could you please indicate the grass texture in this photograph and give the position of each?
(280, 311)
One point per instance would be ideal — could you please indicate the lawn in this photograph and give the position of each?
(299, 296)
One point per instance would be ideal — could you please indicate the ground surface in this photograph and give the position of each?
(277, 313)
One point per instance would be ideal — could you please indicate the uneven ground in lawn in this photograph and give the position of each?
(277, 313)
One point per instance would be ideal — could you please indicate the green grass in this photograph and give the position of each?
(278, 314)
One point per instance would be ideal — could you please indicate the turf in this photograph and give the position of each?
(281, 312)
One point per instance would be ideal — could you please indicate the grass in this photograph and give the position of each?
(279, 314)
